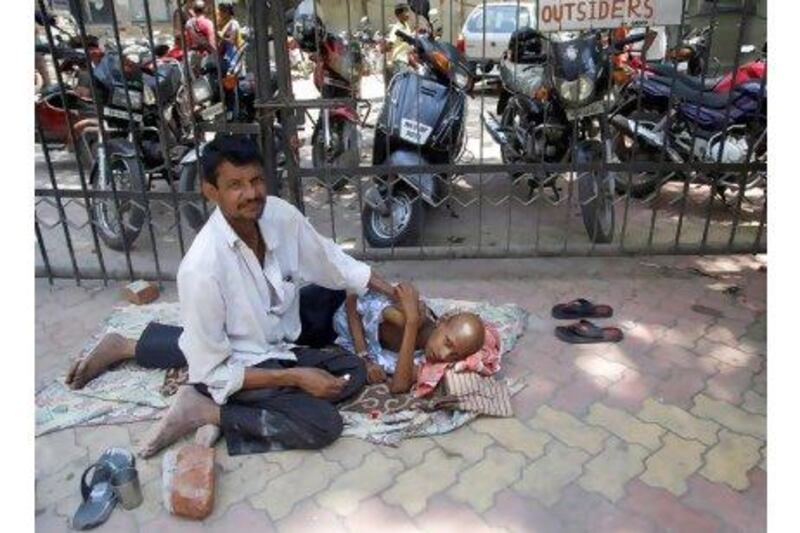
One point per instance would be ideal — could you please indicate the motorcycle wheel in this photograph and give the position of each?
(642, 184)
(192, 213)
(510, 119)
(118, 229)
(344, 151)
(86, 149)
(402, 227)
(597, 203)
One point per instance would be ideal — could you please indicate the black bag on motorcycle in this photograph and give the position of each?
(525, 46)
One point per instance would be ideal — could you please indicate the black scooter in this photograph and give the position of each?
(422, 123)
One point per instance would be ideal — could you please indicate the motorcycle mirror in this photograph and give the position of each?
(747, 49)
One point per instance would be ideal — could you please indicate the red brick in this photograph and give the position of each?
(666, 511)
(140, 292)
(193, 485)
(680, 387)
(445, 516)
(519, 514)
(730, 383)
(537, 392)
(630, 392)
(577, 396)
(741, 511)
(372, 512)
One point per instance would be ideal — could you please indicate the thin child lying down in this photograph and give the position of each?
(399, 342)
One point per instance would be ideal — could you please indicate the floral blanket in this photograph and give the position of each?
(130, 393)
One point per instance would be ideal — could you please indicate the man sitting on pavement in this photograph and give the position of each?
(399, 49)
(247, 322)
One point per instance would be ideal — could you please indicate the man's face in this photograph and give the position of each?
(404, 15)
(241, 191)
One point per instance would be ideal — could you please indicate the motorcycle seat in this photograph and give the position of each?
(696, 82)
(694, 95)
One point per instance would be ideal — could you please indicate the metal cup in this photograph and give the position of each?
(125, 484)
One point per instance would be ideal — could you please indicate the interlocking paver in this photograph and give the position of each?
(101, 438)
(728, 354)
(544, 478)
(520, 514)
(375, 474)
(630, 392)
(496, 471)
(679, 421)
(730, 416)
(55, 449)
(741, 511)
(680, 387)
(576, 397)
(464, 442)
(670, 466)
(595, 365)
(569, 429)
(625, 426)
(729, 461)
(445, 516)
(288, 460)
(760, 383)
(58, 485)
(514, 435)
(307, 517)
(755, 403)
(609, 471)
(241, 517)
(586, 511)
(415, 486)
(537, 392)
(232, 487)
(373, 514)
(730, 383)
(410, 451)
(348, 451)
(667, 511)
(283, 492)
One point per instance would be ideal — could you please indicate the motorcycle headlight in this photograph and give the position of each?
(149, 96)
(575, 91)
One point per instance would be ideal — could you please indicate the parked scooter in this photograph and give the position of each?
(337, 74)
(422, 122)
(551, 104)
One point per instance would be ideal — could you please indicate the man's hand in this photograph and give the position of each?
(375, 374)
(318, 382)
(408, 297)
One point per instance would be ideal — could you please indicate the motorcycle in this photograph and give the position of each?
(702, 127)
(551, 105)
(131, 156)
(337, 74)
(422, 122)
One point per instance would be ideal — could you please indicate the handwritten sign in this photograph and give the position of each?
(556, 15)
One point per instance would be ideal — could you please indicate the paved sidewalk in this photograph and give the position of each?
(665, 431)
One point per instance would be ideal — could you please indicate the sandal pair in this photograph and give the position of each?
(99, 498)
(584, 331)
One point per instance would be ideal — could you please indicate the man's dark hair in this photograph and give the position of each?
(400, 7)
(237, 150)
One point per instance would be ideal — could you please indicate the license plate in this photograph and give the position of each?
(118, 113)
(212, 111)
(595, 108)
(119, 100)
(414, 132)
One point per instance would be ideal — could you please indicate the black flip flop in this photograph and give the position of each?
(581, 308)
(98, 498)
(584, 332)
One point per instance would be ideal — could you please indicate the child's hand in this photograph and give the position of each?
(375, 374)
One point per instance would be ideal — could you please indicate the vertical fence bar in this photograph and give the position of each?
(59, 205)
(760, 232)
(43, 251)
(263, 76)
(137, 148)
(162, 133)
(72, 137)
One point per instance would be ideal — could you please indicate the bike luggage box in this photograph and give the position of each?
(421, 111)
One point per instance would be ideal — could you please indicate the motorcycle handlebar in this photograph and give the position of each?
(406, 37)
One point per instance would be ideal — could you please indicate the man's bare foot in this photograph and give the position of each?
(189, 411)
(111, 349)
(207, 435)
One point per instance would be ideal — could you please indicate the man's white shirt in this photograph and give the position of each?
(237, 314)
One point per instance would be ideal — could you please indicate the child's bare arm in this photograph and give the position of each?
(355, 324)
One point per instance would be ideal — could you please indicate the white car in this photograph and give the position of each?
(499, 20)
